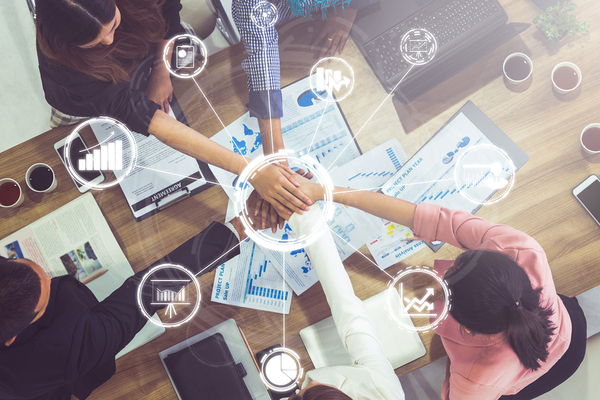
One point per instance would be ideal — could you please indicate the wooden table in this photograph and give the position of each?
(546, 126)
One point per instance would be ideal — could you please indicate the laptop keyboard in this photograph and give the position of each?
(446, 23)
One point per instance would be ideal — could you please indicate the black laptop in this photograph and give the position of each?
(464, 30)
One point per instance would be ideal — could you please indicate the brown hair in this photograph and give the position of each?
(321, 392)
(64, 25)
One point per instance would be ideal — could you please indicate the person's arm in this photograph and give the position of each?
(112, 324)
(355, 327)
(276, 184)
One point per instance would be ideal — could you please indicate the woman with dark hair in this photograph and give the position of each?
(104, 57)
(509, 334)
(371, 377)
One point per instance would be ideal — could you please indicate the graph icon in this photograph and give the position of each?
(281, 369)
(419, 305)
(108, 157)
(170, 293)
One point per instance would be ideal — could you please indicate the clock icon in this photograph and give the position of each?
(281, 369)
(418, 46)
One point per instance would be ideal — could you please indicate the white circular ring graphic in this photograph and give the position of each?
(260, 17)
(496, 167)
(390, 299)
(186, 319)
(418, 46)
(313, 80)
(101, 120)
(182, 53)
(265, 367)
(243, 191)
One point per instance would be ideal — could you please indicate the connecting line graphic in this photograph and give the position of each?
(388, 186)
(367, 258)
(382, 103)
(283, 291)
(224, 254)
(219, 118)
(183, 176)
(318, 126)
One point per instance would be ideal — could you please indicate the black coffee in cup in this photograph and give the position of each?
(41, 178)
(517, 68)
(9, 193)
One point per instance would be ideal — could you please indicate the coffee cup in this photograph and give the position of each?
(517, 68)
(11, 195)
(566, 77)
(41, 178)
(590, 139)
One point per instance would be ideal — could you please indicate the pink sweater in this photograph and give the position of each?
(485, 367)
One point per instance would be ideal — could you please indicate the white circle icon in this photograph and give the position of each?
(116, 152)
(288, 241)
(405, 299)
(281, 370)
(264, 14)
(166, 286)
(418, 46)
(484, 174)
(331, 79)
(189, 56)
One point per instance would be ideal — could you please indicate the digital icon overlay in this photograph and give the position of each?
(169, 285)
(417, 298)
(281, 370)
(291, 242)
(264, 14)
(484, 174)
(185, 56)
(331, 79)
(117, 152)
(418, 46)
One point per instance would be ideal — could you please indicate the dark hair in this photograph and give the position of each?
(491, 294)
(20, 291)
(63, 25)
(321, 392)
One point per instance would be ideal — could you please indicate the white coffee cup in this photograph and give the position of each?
(588, 150)
(513, 55)
(41, 165)
(21, 197)
(565, 64)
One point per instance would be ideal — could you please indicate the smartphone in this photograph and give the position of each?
(588, 194)
(78, 150)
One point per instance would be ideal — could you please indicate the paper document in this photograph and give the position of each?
(160, 170)
(250, 280)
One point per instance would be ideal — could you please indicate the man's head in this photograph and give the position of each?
(24, 296)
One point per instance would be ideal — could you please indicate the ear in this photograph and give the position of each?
(10, 341)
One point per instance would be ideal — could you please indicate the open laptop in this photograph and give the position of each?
(464, 30)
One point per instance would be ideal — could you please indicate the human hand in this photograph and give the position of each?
(313, 190)
(334, 33)
(263, 213)
(159, 87)
(277, 185)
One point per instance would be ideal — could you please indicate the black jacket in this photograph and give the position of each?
(71, 349)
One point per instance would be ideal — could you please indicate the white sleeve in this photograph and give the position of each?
(354, 325)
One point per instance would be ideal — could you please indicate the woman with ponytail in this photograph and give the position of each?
(509, 334)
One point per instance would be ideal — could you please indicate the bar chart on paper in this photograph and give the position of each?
(108, 157)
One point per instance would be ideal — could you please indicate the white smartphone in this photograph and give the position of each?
(588, 194)
(78, 150)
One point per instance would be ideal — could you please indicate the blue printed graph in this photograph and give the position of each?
(242, 146)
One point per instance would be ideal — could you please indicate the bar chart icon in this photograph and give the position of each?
(169, 291)
(108, 158)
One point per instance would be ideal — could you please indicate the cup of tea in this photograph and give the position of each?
(41, 178)
(590, 139)
(566, 77)
(11, 195)
(517, 68)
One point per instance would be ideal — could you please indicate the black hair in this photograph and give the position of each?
(20, 291)
(491, 294)
(321, 392)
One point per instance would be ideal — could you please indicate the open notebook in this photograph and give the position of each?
(400, 346)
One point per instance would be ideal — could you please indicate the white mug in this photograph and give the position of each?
(21, 197)
(565, 64)
(525, 56)
(589, 151)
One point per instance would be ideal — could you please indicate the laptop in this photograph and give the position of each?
(400, 345)
(465, 30)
